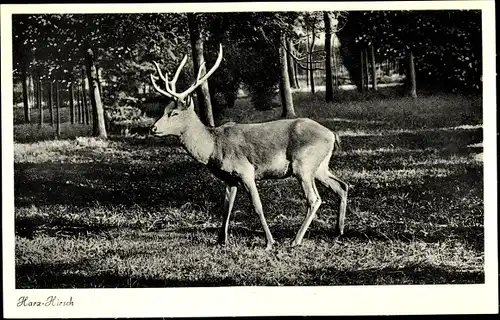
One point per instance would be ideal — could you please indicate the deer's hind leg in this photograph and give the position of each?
(329, 180)
(313, 201)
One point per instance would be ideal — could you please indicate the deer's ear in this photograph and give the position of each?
(188, 103)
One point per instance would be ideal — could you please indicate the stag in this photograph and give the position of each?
(240, 154)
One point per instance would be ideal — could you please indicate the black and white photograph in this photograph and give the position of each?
(240, 159)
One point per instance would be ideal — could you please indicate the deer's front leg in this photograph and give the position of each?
(257, 205)
(228, 207)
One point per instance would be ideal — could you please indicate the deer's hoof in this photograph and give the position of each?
(269, 245)
(222, 240)
(339, 231)
(295, 243)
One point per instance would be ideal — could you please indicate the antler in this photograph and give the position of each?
(170, 90)
(163, 77)
(176, 75)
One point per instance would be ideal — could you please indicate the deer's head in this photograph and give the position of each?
(179, 112)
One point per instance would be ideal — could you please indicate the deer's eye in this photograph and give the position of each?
(174, 113)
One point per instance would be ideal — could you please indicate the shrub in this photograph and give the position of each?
(124, 119)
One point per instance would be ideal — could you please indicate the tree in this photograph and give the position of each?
(285, 90)
(202, 92)
(411, 73)
(374, 67)
(291, 65)
(363, 70)
(39, 101)
(99, 127)
(58, 116)
(26, 86)
(313, 21)
(328, 61)
(51, 102)
(72, 102)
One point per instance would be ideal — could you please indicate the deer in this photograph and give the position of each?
(241, 154)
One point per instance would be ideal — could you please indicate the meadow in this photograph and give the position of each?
(140, 212)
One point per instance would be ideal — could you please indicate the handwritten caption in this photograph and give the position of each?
(51, 301)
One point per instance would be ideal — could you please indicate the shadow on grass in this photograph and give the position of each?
(450, 141)
(472, 236)
(417, 274)
(29, 226)
(45, 276)
(63, 276)
(83, 184)
(29, 133)
(431, 188)
(248, 230)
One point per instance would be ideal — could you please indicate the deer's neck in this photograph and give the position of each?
(198, 140)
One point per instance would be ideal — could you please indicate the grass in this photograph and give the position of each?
(85, 207)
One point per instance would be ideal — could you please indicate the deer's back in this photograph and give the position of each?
(269, 147)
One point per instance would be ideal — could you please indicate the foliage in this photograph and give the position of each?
(447, 50)
(124, 44)
(259, 72)
(251, 42)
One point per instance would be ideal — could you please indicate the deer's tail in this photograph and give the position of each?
(336, 143)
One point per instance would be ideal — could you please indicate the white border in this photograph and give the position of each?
(258, 301)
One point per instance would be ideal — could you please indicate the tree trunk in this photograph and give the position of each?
(374, 68)
(307, 59)
(99, 81)
(31, 91)
(99, 127)
(51, 102)
(58, 118)
(296, 73)
(362, 68)
(328, 62)
(285, 90)
(39, 100)
(291, 65)
(72, 103)
(202, 92)
(77, 111)
(84, 108)
(412, 76)
(26, 99)
(77, 107)
(81, 118)
(367, 73)
(85, 113)
(311, 70)
(334, 68)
